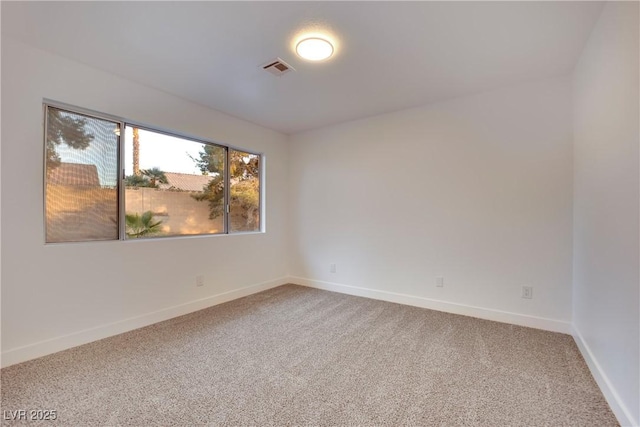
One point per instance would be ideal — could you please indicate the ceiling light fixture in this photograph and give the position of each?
(314, 48)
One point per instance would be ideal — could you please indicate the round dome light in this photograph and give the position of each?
(314, 49)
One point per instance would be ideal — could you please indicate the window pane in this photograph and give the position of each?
(244, 203)
(81, 177)
(173, 186)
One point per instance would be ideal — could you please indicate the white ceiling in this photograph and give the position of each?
(390, 55)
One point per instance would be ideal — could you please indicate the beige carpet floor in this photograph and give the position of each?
(299, 356)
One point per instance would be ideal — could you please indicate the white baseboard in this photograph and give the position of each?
(625, 418)
(449, 307)
(53, 345)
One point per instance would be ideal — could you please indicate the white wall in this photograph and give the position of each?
(51, 291)
(476, 189)
(606, 215)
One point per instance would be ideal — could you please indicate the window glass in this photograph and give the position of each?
(81, 175)
(173, 186)
(244, 200)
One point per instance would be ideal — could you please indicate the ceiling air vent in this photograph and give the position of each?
(277, 67)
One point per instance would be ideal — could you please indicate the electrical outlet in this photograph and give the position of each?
(199, 281)
(332, 268)
(527, 292)
(439, 281)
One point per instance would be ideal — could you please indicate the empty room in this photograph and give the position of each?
(320, 213)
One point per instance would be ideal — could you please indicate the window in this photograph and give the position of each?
(169, 185)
